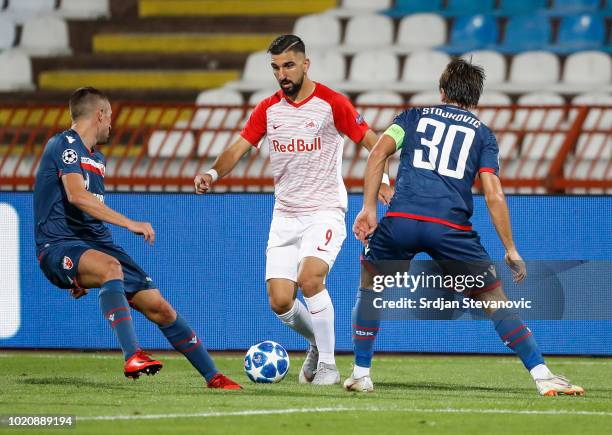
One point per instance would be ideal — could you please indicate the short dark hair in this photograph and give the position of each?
(462, 82)
(287, 42)
(81, 101)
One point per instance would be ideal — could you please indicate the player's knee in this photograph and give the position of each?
(113, 270)
(280, 304)
(161, 313)
(311, 284)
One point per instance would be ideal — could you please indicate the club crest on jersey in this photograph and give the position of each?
(67, 263)
(311, 124)
(359, 120)
(69, 156)
(297, 146)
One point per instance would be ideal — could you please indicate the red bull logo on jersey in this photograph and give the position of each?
(297, 146)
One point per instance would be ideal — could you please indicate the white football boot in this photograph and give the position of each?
(361, 385)
(326, 374)
(557, 385)
(307, 373)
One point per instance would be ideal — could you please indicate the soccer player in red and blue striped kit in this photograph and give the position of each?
(443, 148)
(76, 251)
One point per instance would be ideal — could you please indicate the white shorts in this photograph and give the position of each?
(293, 238)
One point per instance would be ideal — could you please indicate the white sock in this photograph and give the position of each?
(360, 372)
(322, 315)
(298, 319)
(540, 372)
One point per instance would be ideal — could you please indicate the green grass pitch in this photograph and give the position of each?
(414, 394)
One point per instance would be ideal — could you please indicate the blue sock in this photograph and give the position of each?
(183, 339)
(366, 322)
(116, 309)
(517, 337)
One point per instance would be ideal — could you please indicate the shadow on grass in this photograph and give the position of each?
(70, 381)
(449, 387)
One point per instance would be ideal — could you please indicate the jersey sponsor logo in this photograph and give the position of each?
(93, 166)
(69, 156)
(67, 263)
(297, 146)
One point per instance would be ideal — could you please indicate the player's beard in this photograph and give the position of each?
(104, 137)
(291, 91)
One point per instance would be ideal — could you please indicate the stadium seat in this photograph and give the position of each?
(563, 7)
(365, 32)
(164, 143)
(532, 70)
(596, 118)
(372, 69)
(591, 68)
(7, 33)
(20, 11)
(533, 119)
(15, 71)
(45, 36)
(512, 7)
(406, 7)
(422, 70)
(494, 65)
(350, 8)
(427, 98)
(580, 32)
(327, 66)
(84, 9)
(261, 94)
(468, 7)
(379, 119)
(219, 117)
(212, 143)
(495, 118)
(420, 31)
(318, 30)
(257, 73)
(526, 32)
(594, 99)
(472, 32)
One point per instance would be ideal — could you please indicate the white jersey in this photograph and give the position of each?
(306, 144)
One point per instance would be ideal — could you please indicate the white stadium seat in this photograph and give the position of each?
(372, 69)
(84, 9)
(422, 70)
(494, 65)
(327, 66)
(15, 71)
(539, 118)
(494, 118)
(45, 36)
(218, 117)
(365, 32)
(257, 73)
(213, 143)
(420, 31)
(355, 7)
(7, 33)
(595, 118)
(318, 30)
(379, 119)
(588, 67)
(20, 11)
(531, 71)
(427, 98)
(163, 143)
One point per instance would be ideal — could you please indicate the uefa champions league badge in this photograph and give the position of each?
(69, 156)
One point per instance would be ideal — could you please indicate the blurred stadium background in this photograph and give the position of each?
(183, 76)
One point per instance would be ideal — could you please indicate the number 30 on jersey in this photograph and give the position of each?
(447, 147)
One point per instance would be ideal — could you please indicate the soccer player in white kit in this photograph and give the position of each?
(304, 123)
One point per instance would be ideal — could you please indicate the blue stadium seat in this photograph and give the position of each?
(513, 7)
(570, 7)
(526, 32)
(580, 32)
(406, 7)
(468, 7)
(474, 32)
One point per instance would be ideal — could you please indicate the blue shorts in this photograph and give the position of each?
(398, 239)
(60, 264)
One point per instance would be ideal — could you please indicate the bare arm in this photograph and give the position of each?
(385, 192)
(223, 165)
(83, 200)
(365, 223)
(498, 209)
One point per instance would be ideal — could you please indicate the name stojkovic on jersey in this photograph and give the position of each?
(55, 218)
(443, 148)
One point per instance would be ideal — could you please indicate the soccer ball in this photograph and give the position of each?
(266, 362)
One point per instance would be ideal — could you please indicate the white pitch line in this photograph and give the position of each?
(342, 409)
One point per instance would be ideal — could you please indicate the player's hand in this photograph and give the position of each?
(78, 292)
(517, 265)
(385, 193)
(143, 229)
(365, 224)
(203, 183)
